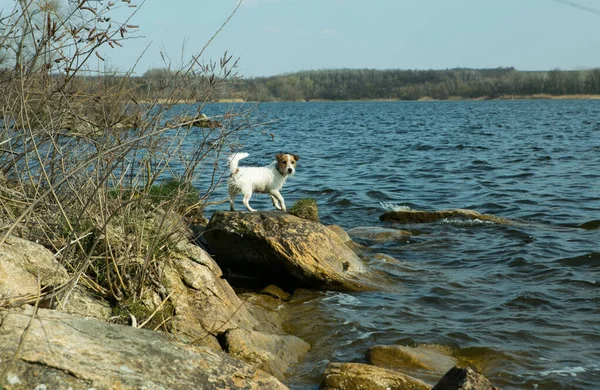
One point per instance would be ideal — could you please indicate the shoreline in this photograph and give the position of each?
(423, 99)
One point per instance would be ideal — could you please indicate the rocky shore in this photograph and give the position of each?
(219, 337)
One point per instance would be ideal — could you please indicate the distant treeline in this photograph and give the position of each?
(362, 84)
(358, 84)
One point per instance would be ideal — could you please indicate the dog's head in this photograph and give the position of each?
(286, 163)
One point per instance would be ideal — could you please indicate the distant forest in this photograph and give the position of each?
(368, 84)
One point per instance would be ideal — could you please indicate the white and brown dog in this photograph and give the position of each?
(269, 179)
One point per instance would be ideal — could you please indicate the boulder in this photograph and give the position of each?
(61, 351)
(357, 376)
(205, 304)
(341, 233)
(463, 379)
(420, 216)
(270, 353)
(22, 262)
(590, 225)
(288, 251)
(413, 360)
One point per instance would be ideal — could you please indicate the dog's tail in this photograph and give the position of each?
(234, 160)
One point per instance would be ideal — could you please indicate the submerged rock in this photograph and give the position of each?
(62, 351)
(420, 216)
(288, 251)
(433, 358)
(463, 379)
(357, 376)
(590, 225)
(377, 234)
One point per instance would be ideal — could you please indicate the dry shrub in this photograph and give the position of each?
(93, 164)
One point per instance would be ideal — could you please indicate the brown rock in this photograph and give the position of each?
(270, 353)
(341, 233)
(306, 208)
(434, 358)
(419, 216)
(62, 351)
(356, 376)
(205, 304)
(379, 234)
(463, 379)
(287, 250)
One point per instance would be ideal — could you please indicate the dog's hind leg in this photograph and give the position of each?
(232, 202)
(246, 201)
(275, 202)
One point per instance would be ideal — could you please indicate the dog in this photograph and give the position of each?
(268, 179)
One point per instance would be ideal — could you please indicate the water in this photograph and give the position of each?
(521, 301)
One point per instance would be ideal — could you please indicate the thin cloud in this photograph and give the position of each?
(327, 32)
(271, 29)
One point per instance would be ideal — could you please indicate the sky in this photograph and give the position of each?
(272, 37)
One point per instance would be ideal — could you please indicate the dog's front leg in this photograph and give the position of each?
(276, 197)
(246, 202)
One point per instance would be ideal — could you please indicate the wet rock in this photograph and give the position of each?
(287, 250)
(341, 233)
(22, 262)
(62, 351)
(306, 208)
(270, 353)
(377, 234)
(434, 358)
(356, 376)
(419, 216)
(463, 379)
(276, 292)
(205, 305)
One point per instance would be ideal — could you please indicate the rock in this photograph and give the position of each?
(306, 208)
(287, 250)
(80, 301)
(22, 262)
(419, 216)
(270, 353)
(463, 379)
(357, 376)
(276, 292)
(590, 225)
(341, 233)
(62, 351)
(205, 304)
(434, 358)
(377, 234)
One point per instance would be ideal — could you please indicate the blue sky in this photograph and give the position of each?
(282, 36)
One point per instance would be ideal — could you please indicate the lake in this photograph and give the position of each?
(522, 300)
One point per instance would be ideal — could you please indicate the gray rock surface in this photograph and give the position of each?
(61, 351)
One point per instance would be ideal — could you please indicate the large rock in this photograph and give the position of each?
(356, 376)
(205, 304)
(22, 264)
(56, 350)
(420, 216)
(463, 379)
(288, 251)
(271, 353)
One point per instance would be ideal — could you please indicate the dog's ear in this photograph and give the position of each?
(279, 156)
(296, 157)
